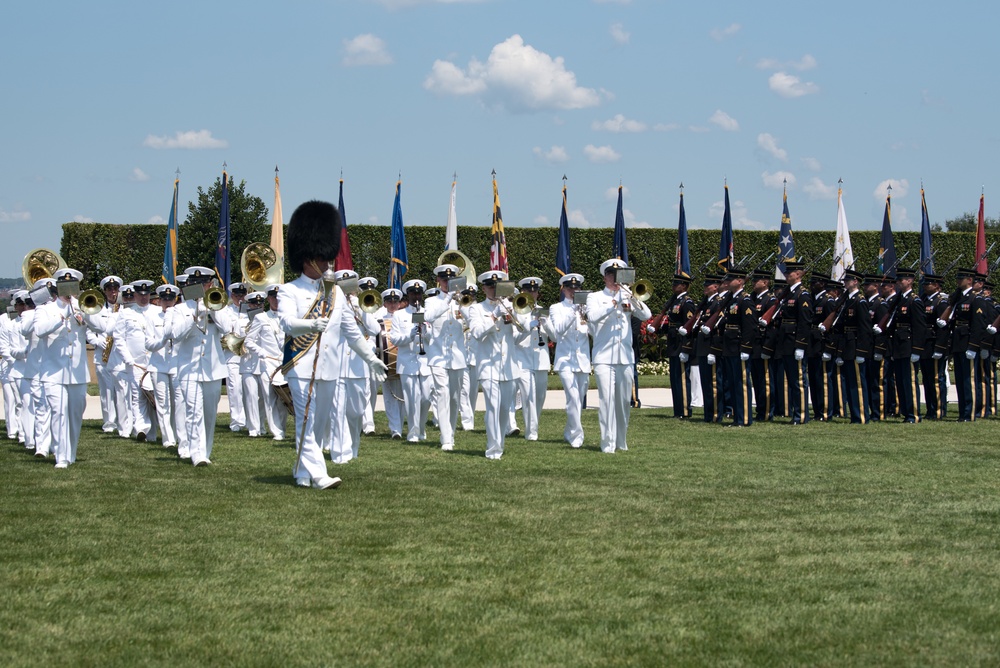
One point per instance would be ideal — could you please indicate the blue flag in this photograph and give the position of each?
(620, 250)
(682, 260)
(887, 248)
(222, 245)
(726, 242)
(562, 247)
(398, 263)
(169, 274)
(786, 245)
(926, 255)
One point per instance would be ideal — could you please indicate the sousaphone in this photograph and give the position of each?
(40, 263)
(260, 266)
(460, 260)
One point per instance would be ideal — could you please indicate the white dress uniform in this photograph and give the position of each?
(312, 379)
(9, 376)
(37, 349)
(572, 363)
(496, 366)
(392, 387)
(163, 368)
(63, 372)
(351, 392)
(446, 359)
(109, 323)
(413, 372)
(532, 365)
(470, 384)
(20, 350)
(610, 326)
(266, 340)
(237, 323)
(132, 330)
(106, 385)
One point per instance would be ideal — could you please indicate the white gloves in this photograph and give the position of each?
(821, 327)
(319, 324)
(876, 329)
(765, 356)
(877, 357)
(710, 359)
(914, 359)
(991, 329)
(378, 368)
(937, 356)
(984, 353)
(744, 357)
(827, 357)
(859, 360)
(839, 361)
(970, 354)
(649, 328)
(684, 357)
(705, 330)
(942, 323)
(682, 331)
(415, 331)
(762, 322)
(800, 354)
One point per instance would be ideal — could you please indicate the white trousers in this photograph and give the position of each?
(142, 412)
(575, 387)
(201, 407)
(123, 402)
(274, 408)
(234, 390)
(417, 392)
(448, 396)
(499, 396)
(66, 404)
(107, 389)
(532, 385)
(43, 418)
(27, 413)
(392, 398)
(349, 402)
(614, 389)
(166, 415)
(470, 397)
(251, 403)
(370, 390)
(12, 408)
(312, 429)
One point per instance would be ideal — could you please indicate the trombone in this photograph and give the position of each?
(215, 298)
(370, 301)
(91, 301)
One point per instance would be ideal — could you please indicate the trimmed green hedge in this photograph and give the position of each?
(136, 251)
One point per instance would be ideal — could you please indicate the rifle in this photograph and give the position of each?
(949, 314)
(692, 322)
(769, 314)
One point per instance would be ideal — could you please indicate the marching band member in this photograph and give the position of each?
(44, 291)
(110, 323)
(163, 368)
(133, 326)
(239, 321)
(609, 313)
(392, 389)
(265, 339)
(446, 352)
(567, 325)
(492, 326)
(411, 366)
(533, 355)
(318, 328)
(470, 380)
(106, 386)
(63, 372)
(19, 348)
(368, 427)
(9, 374)
(250, 364)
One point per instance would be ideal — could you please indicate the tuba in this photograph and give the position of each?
(91, 301)
(460, 260)
(40, 263)
(260, 266)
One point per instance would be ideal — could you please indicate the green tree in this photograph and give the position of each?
(248, 222)
(968, 222)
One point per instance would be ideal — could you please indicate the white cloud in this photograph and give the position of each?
(666, 127)
(719, 34)
(698, 128)
(541, 221)
(138, 175)
(770, 144)
(192, 139)
(17, 216)
(78, 218)
(619, 124)
(575, 218)
(612, 193)
(900, 187)
(777, 179)
(807, 62)
(554, 155)
(724, 121)
(812, 164)
(738, 210)
(789, 85)
(516, 77)
(366, 49)
(157, 220)
(619, 34)
(601, 153)
(630, 220)
(816, 189)
(373, 220)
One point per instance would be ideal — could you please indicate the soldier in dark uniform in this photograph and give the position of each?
(934, 357)
(967, 321)
(772, 354)
(723, 383)
(875, 362)
(983, 368)
(991, 330)
(795, 329)
(763, 299)
(834, 293)
(817, 358)
(852, 331)
(738, 333)
(679, 310)
(907, 329)
(703, 346)
(889, 389)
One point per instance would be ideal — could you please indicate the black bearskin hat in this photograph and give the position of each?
(313, 232)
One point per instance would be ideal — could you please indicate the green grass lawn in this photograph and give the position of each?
(825, 544)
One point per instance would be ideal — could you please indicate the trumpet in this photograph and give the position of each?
(91, 301)
(215, 298)
(370, 301)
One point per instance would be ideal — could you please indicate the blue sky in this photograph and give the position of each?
(105, 100)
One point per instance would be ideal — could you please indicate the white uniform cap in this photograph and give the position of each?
(233, 287)
(345, 273)
(446, 271)
(163, 290)
(612, 264)
(69, 275)
(143, 285)
(493, 275)
(573, 280)
(111, 279)
(43, 282)
(20, 296)
(414, 284)
(392, 293)
(531, 283)
(256, 296)
(182, 279)
(432, 292)
(199, 273)
(127, 289)
(368, 283)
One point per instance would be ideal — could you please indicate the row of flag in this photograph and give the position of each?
(843, 257)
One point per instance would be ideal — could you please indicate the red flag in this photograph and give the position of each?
(498, 245)
(343, 259)
(981, 264)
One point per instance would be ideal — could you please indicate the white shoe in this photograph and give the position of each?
(170, 445)
(62, 465)
(396, 436)
(369, 432)
(279, 437)
(326, 482)
(413, 440)
(448, 447)
(303, 482)
(202, 462)
(235, 427)
(577, 444)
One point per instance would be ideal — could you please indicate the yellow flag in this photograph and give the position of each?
(278, 229)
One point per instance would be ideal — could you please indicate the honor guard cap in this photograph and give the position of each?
(682, 277)
(345, 273)
(143, 287)
(492, 276)
(167, 291)
(198, 274)
(760, 275)
(933, 278)
(530, 283)
(980, 277)
(574, 281)
(987, 285)
(414, 285)
(851, 274)
(612, 264)
(391, 295)
(69, 275)
(837, 285)
(904, 272)
(965, 273)
(736, 272)
(872, 279)
(712, 279)
(368, 283)
(446, 271)
(793, 265)
(111, 281)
